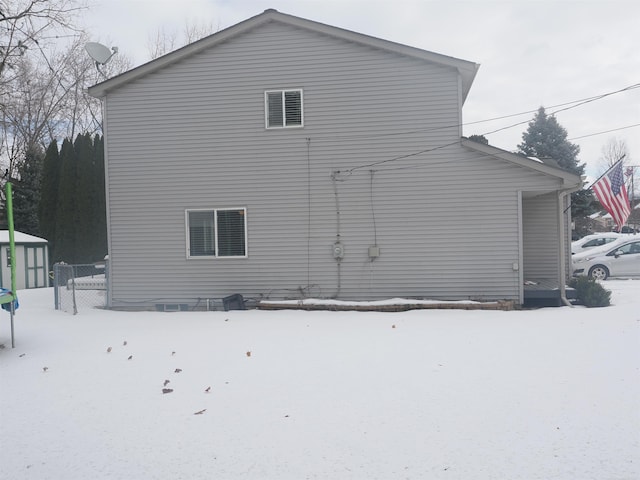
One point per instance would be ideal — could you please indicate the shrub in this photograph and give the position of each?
(590, 293)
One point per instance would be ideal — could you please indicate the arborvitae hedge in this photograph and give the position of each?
(72, 210)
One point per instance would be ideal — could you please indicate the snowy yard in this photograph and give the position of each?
(426, 394)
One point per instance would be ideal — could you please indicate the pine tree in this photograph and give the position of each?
(479, 139)
(73, 206)
(547, 139)
(66, 216)
(83, 197)
(26, 194)
(49, 195)
(99, 201)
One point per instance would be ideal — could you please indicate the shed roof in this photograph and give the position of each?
(466, 69)
(19, 237)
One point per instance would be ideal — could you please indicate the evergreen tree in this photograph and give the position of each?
(99, 201)
(479, 139)
(73, 206)
(49, 195)
(83, 198)
(26, 194)
(546, 139)
(66, 216)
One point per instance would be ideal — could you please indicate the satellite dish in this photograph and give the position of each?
(100, 54)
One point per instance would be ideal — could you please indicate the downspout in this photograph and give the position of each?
(563, 241)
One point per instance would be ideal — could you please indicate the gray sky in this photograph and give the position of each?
(531, 53)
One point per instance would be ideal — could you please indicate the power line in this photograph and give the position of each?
(605, 131)
(575, 104)
(580, 101)
(400, 157)
(567, 105)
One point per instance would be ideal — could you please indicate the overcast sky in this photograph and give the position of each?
(531, 53)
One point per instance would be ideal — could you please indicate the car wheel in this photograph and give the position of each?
(599, 272)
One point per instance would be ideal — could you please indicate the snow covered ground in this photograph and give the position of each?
(426, 394)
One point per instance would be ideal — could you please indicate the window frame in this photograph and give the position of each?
(283, 92)
(216, 253)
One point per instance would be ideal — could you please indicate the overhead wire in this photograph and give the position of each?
(569, 105)
(574, 104)
(399, 157)
(606, 131)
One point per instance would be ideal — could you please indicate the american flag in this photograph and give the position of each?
(612, 194)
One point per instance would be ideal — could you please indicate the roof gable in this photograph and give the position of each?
(467, 70)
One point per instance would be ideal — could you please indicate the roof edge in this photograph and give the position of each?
(466, 69)
(569, 179)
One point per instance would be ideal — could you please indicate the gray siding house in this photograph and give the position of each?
(284, 158)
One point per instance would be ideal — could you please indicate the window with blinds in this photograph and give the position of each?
(283, 108)
(216, 233)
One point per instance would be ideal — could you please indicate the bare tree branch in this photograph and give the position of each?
(165, 41)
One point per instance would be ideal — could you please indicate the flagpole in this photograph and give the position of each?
(633, 193)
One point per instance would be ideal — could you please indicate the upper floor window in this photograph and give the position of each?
(217, 233)
(283, 108)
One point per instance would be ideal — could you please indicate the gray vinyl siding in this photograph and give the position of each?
(193, 136)
(540, 234)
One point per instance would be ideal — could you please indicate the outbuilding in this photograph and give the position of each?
(32, 260)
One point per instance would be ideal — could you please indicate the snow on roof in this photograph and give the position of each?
(19, 237)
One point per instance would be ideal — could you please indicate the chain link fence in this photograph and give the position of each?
(79, 286)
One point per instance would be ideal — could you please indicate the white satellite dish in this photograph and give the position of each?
(100, 54)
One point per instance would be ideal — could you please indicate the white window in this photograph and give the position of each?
(283, 108)
(217, 233)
